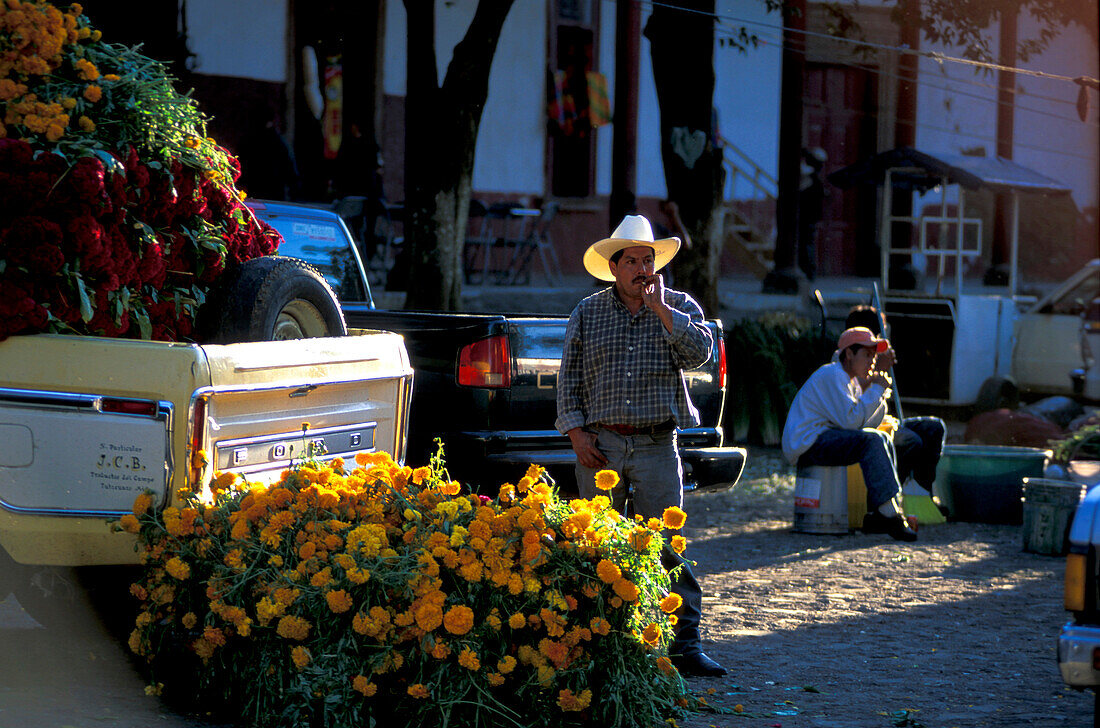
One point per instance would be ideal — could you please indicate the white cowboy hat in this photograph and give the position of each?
(633, 230)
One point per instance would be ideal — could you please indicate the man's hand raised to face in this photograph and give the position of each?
(653, 292)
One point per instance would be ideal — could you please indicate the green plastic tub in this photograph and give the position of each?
(984, 483)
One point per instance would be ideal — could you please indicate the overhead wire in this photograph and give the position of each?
(933, 55)
(920, 79)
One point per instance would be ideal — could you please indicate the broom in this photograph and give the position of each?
(917, 501)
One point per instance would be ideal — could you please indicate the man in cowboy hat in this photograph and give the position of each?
(834, 420)
(622, 394)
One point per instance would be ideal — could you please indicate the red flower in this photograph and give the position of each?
(86, 179)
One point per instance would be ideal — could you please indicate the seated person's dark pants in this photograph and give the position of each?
(869, 448)
(918, 444)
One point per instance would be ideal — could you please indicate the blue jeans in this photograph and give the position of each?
(870, 448)
(651, 477)
(919, 444)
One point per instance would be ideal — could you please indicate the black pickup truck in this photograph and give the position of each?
(485, 383)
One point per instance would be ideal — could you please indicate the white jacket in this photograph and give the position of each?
(830, 398)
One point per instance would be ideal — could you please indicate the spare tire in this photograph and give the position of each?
(271, 298)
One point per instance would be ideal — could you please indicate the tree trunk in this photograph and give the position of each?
(681, 41)
(440, 136)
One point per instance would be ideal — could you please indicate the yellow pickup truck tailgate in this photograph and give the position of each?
(268, 402)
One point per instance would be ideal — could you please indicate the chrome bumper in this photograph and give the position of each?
(1076, 644)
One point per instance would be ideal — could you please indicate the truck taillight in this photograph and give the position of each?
(1075, 582)
(485, 363)
(146, 407)
(195, 452)
(721, 362)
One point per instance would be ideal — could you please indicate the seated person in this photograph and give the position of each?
(832, 421)
(918, 441)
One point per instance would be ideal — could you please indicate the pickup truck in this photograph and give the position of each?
(486, 383)
(88, 423)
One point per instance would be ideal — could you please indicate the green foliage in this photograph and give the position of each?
(769, 359)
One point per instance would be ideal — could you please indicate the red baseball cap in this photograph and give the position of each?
(863, 337)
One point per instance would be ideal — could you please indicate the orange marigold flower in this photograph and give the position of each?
(608, 571)
(665, 665)
(129, 523)
(600, 626)
(506, 665)
(178, 568)
(674, 518)
(93, 93)
(142, 503)
(626, 590)
(651, 635)
(607, 479)
(468, 659)
(418, 691)
(293, 628)
(678, 544)
(495, 679)
(361, 684)
(339, 601)
(570, 703)
(301, 656)
(671, 603)
(459, 619)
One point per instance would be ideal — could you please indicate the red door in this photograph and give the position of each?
(840, 116)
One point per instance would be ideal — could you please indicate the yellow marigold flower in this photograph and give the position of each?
(507, 492)
(608, 571)
(418, 691)
(651, 635)
(93, 93)
(96, 35)
(671, 603)
(607, 479)
(517, 621)
(142, 503)
(493, 621)
(156, 689)
(293, 628)
(361, 684)
(674, 518)
(495, 679)
(339, 601)
(544, 675)
(178, 568)
(468, 659)
(129, 523)
(678, 544)
(301, 656)
(570, 703)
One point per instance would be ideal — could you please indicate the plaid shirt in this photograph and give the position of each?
(623, 369)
